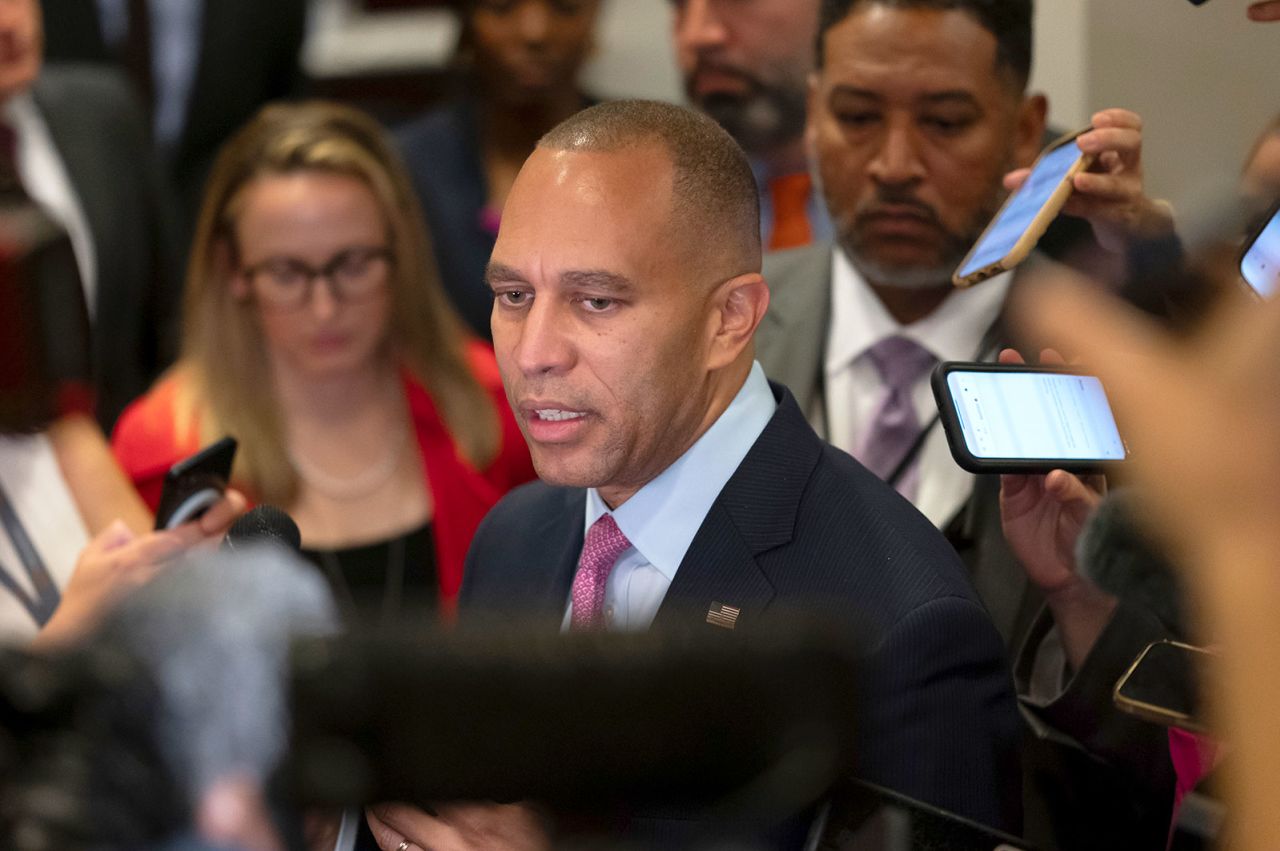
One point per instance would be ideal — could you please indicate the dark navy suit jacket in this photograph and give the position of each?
(802, 525)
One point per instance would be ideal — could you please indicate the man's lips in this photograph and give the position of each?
(717, 79)
(553, 422)
(898, 218)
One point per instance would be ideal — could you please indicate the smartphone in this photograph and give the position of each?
(1162, 685)
(195, 483)
(1026, 419)
(1026, 213)
(1260, 260)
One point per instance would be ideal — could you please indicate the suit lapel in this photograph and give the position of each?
(755, 513)
(551, 577)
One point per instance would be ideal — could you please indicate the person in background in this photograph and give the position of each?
(1200, 412)
(76, 143)
(746, 64)
(316, 332)
(520, 61)
(918, 111)
(200, 67)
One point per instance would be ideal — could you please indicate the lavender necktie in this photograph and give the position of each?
(894, 430)
(604, 543)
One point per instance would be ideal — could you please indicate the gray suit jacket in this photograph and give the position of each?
(791, 346)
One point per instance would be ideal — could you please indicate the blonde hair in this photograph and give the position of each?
(224, 357)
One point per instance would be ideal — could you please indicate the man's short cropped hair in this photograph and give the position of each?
(1008, 20)
(715, 198)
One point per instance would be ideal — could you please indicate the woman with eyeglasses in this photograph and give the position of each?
(316, 332)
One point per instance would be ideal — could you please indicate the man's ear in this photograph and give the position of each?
(1029, 132)
(740, 303)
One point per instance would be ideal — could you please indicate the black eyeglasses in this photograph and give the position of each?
(352, 274)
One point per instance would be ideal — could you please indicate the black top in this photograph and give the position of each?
(383, 580)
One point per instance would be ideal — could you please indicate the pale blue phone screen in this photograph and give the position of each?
(1014, 218)
(1035, 415)
(1261, 263)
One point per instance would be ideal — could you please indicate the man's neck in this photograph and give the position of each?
(908, 305)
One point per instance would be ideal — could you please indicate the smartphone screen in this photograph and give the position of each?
(1035, 415)
(1260, 265)
(1016, 215)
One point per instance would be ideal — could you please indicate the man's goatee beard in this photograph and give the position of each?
(900, 278)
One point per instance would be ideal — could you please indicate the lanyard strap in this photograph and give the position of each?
(47, 594)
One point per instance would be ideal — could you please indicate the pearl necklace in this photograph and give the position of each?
(351, 488)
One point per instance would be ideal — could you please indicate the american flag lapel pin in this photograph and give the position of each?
(723, 615)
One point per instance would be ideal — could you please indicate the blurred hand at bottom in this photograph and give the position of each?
(459, 827)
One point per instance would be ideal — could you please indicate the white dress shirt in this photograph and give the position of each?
(854, 389)
(45, 178)
(32, 480)
(661, 519)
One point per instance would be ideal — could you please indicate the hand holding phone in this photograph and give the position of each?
(194, 484)
(1026, 214)
(1005, 418)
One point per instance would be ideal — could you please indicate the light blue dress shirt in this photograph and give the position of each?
(661, 519)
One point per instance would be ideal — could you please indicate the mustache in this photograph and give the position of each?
(892, 201)
(703, 65)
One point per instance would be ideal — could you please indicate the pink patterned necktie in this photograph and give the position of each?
(604, 543)
(895, 427)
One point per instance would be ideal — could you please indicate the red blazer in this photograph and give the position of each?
(147, 443)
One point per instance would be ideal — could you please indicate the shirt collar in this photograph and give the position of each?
(953, 331)
(661, 519)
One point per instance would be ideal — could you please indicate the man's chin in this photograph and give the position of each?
(902, 274)
(567, 472)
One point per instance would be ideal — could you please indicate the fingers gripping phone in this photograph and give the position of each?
(1260, 260)
(194, 484)
(1002, 418)
(1026, 214)
(1162, 685)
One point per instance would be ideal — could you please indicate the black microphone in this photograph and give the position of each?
(264, 524)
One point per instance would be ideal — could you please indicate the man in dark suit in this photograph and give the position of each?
(680, 488)
(79, 147)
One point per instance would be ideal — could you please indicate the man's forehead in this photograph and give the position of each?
(587, 203)
(910, 51)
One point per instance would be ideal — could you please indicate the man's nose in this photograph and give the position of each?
(544, 344)
(898, 161)
(533, 21)
(699, 26)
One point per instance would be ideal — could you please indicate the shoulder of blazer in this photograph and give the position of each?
(792, 337)
(763, 495)
(85, 87)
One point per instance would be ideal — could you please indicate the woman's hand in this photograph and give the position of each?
(117, 560)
